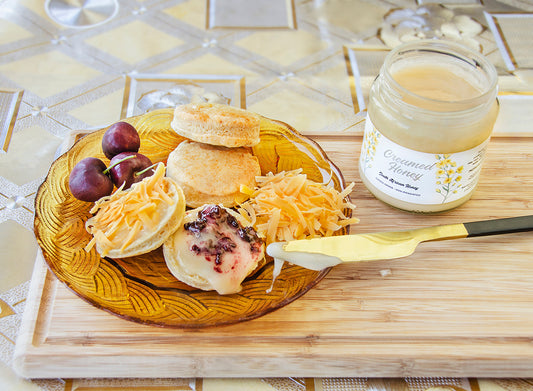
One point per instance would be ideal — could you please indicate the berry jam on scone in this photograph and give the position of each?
(213, 250)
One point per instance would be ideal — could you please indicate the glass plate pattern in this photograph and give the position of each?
(141, 288)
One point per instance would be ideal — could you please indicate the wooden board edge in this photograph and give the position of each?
(142, 365)
(36, 300)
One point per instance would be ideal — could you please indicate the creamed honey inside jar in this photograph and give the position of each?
(430, 115)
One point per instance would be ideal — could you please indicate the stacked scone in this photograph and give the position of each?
(214, 249)
(215, 161)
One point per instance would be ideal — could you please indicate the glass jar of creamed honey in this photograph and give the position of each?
(431, 111)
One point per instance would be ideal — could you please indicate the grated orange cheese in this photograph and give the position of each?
(121, 216)
(288, 206)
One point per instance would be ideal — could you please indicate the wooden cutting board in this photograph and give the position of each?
(455, 308)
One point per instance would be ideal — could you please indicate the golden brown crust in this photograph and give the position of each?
(210, 174)
(217, 124)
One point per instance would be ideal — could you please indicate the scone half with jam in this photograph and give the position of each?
(214, 249)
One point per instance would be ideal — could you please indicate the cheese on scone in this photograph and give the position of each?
(137, 220)
(210, 174)
(214, 250)
(217, 124)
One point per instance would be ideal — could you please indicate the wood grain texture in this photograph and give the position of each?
(454, 308)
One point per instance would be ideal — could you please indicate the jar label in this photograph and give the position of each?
(418, 177)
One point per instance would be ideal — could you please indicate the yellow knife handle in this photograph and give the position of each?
(499, 226)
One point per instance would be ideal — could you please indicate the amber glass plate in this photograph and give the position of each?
(141, 288)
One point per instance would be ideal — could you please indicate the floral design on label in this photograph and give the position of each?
(418, 177)
(448, 176)
(370, 143)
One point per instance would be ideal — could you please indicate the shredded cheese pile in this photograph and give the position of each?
(288, 206)
(121, 216)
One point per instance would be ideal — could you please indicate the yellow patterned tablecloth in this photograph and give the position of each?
(310, 63)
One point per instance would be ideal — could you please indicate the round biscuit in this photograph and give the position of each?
(212, 174)
(217, 124)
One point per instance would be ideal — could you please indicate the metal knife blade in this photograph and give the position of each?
(320, 253)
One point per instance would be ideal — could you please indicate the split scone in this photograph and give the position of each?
(137, 220)
(217, 124)
(214, 249)
(211, 174)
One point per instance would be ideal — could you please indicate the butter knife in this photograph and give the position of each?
(320, 253)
